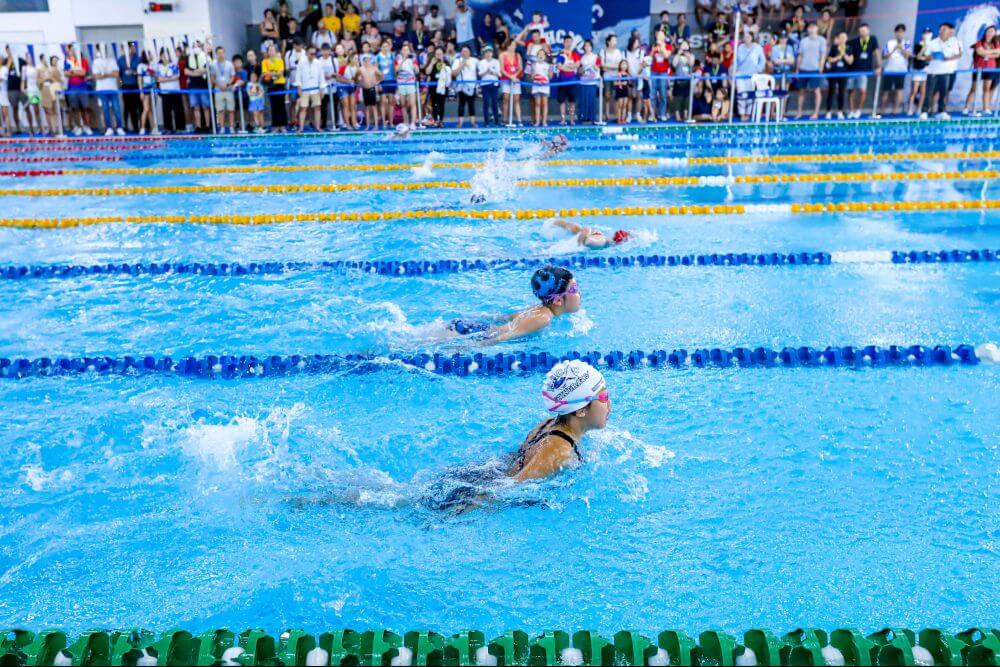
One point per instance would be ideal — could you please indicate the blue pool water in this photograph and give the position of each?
(718, 497)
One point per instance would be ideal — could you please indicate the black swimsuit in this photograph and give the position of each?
(544, 431)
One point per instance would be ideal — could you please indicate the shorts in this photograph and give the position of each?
(256, 105)
(388, 87)
(407, 89)
(811, 83)
(893, 81)
(623, 93)
(78, 101)
(992, 77)
(310, 99)
(369, 97)
(857, 82)
(542, 91)
(505, 88)
(15, 97)
(199, 101)
(225, 101)
(680, 100)
(466, 327)
(646, 90)
(566, 93)
(919, 77)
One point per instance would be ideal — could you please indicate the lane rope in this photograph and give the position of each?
(501, 363)
(507, 214)
(447, 266)
(598, 162)
(650, 181)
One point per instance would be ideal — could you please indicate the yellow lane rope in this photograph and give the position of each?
(523, 214)
(658, 181)
(596, 162)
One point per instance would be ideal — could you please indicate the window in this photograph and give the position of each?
(24, 5)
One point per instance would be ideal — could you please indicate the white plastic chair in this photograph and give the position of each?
(764, 103)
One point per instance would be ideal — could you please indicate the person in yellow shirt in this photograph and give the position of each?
(352, 20)
(330, 19)
(272, 72)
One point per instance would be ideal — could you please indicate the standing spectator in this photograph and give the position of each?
(622, 93)
(634, 55)
(541, 76)
(406, 75)
(369, 77)
(435, 21)
(51, 82)
(438, 71)
(14, 93)
(511, 72)
(810, 62)
(399, 36)
(683, 66)
(465, 71)
(590, 79)
(918, 82)
(273, 75)
(146, 73)
(399, 12)
(387, 65)
(223, 73)
(197, 73)
(32, 95)
(128, 67)
(611, 56)
(4, 95)
(867, 56)
(269, 33)
(419, 38)
(489, 77)
(309, 18)
(750, 62)
(168, 77)
(897, 53)
(464, 34)
(346, 77)
(294, 34)
(664, 25)
(485, 32)
(825, 25)
(984, 56)
(76, 69)
(782, 61)
(659, 73)
(838, 63)
(309, 85)
(333, 65)
(255, 95)
(241, 77)
(942, 56)
(284, 18)
(567, 68)
(106, 85)
(681, 30)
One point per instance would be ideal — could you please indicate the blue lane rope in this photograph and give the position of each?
(484, 364)
(444, 266)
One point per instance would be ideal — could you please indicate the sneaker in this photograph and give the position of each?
(142, 131)
(189, 127)
(943, 116)
(77, 132)
(829, 116)
(923, 115)
(120, 132)
(89, 132)
(840, 115)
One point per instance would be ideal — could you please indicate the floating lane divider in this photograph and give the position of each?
(254, 646)
(506, 214)
(485, 364)
(599, 162)
(649, 181)
(445, 266)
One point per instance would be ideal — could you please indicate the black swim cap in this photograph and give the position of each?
(550, 281)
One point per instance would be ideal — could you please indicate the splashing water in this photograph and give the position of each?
(497, 180)
(426, 168)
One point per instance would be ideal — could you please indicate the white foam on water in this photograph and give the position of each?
(618, 446)
(426, 170)
(39, 479)
(580, 323)
(397, 325)
(497, 180)
(219, 445)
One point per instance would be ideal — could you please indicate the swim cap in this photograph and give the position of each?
(621, 236)
(550, 281)
(571, 386)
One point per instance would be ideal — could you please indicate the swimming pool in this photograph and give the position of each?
(726, 497)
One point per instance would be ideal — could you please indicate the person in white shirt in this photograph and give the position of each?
(466, 68)
(434, 20)
(223, 73)
(309, 81)
(463, 26)
(330, 62)
(750, 61)
(896, 58)
(489, 75)
(610, 56)
(323, 37)
(106, 84)
(32, 94)
(943, 56)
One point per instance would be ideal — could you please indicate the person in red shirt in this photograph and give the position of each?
(182, 68)
(77, 99)
(659, 69)
(567, 68)
(985, 54)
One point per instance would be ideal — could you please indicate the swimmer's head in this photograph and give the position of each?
(556, 287)
(621, 236)
(576, 388)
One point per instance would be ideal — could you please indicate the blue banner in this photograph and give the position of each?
(580, 19)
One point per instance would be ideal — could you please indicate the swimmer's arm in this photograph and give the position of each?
(520, 325)
(551, 459)
(571, 227)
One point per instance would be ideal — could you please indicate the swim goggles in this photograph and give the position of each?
(572, 289)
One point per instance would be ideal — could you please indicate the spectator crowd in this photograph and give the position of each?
(343, 65)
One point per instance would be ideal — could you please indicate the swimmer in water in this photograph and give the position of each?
(402, 132)
(556, 145)
(595, 239)
(559, 294)
(576, 398)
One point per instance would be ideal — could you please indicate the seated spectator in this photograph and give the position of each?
(400, 12)
(293, 34)
(284, 16)
(434, 20)
(399, 36)
(330, 19)
(419, 38)
(681, 30)
(825, 24)
(351, 20)
(664, 25)
(485, 32)
(309, 18)
(701, 109)
(720, 30)
(852, 14)
(720, 106)
(269, 33)
(704, 10)
(323, 37)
